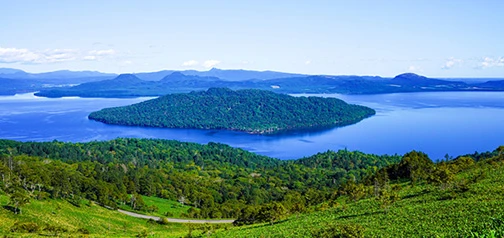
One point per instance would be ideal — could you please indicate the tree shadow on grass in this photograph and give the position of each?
(265, 224)
(9, 208)
(423, 192)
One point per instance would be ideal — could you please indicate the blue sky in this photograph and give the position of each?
(449, 38)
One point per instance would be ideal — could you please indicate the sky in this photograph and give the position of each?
(448, 38)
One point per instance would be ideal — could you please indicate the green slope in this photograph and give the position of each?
(98, 221)
(214, 180)
(331, 194)
(162, 207)
(471, 204)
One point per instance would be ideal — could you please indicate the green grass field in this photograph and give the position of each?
(422, 211)
(164, 206)
(100, 222)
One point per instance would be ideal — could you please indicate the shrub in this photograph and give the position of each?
(164, 221)
(83, 231)
(55, 230)
(152, 208)
(339, 231)
(168, 214)
(351, 231)
(143, 233)
(151, 221)
(29, 227)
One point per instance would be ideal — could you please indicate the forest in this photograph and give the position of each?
(252, 111)
(218, 181)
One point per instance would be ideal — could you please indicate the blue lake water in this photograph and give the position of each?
(437, 123)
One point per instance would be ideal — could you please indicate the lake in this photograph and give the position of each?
(436, 123)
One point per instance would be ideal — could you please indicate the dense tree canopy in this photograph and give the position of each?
(216, 179)
(253, 111)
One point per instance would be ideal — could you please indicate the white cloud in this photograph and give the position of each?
(190, 63)
(489, 62)
(89, 57)
(210, 63)
(16, 55)
(451, 62)
(12, 55)
(99, 54)
(27, 56)
(307, 62)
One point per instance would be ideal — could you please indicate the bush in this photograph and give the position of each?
(164, 221)
(339, 231)
(42, 196)
(74, 201)
(29, 227)
(55, 230)
(151, 221)
(152, 208)
(169, 214)
(351, 230)
(83, 231)
(143, 233)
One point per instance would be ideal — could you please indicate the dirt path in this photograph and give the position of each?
(176, 220)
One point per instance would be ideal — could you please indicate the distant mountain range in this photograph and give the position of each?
(96, 84)
(61, 74)
(229, 75)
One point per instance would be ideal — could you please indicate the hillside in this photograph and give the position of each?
(120, 86)
(57, 217)
(492, 85)
(13, 86)
(458, 198)
(47, 188)
(52, 183)
(252, 111)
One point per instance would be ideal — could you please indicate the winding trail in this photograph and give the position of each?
(176, 220)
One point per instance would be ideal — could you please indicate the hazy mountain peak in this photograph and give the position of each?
(10, 71)
(410, 76)
(176, 74)
(127, 77)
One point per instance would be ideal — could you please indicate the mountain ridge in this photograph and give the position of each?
(174, 81)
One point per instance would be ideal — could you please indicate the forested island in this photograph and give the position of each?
(252, 111)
